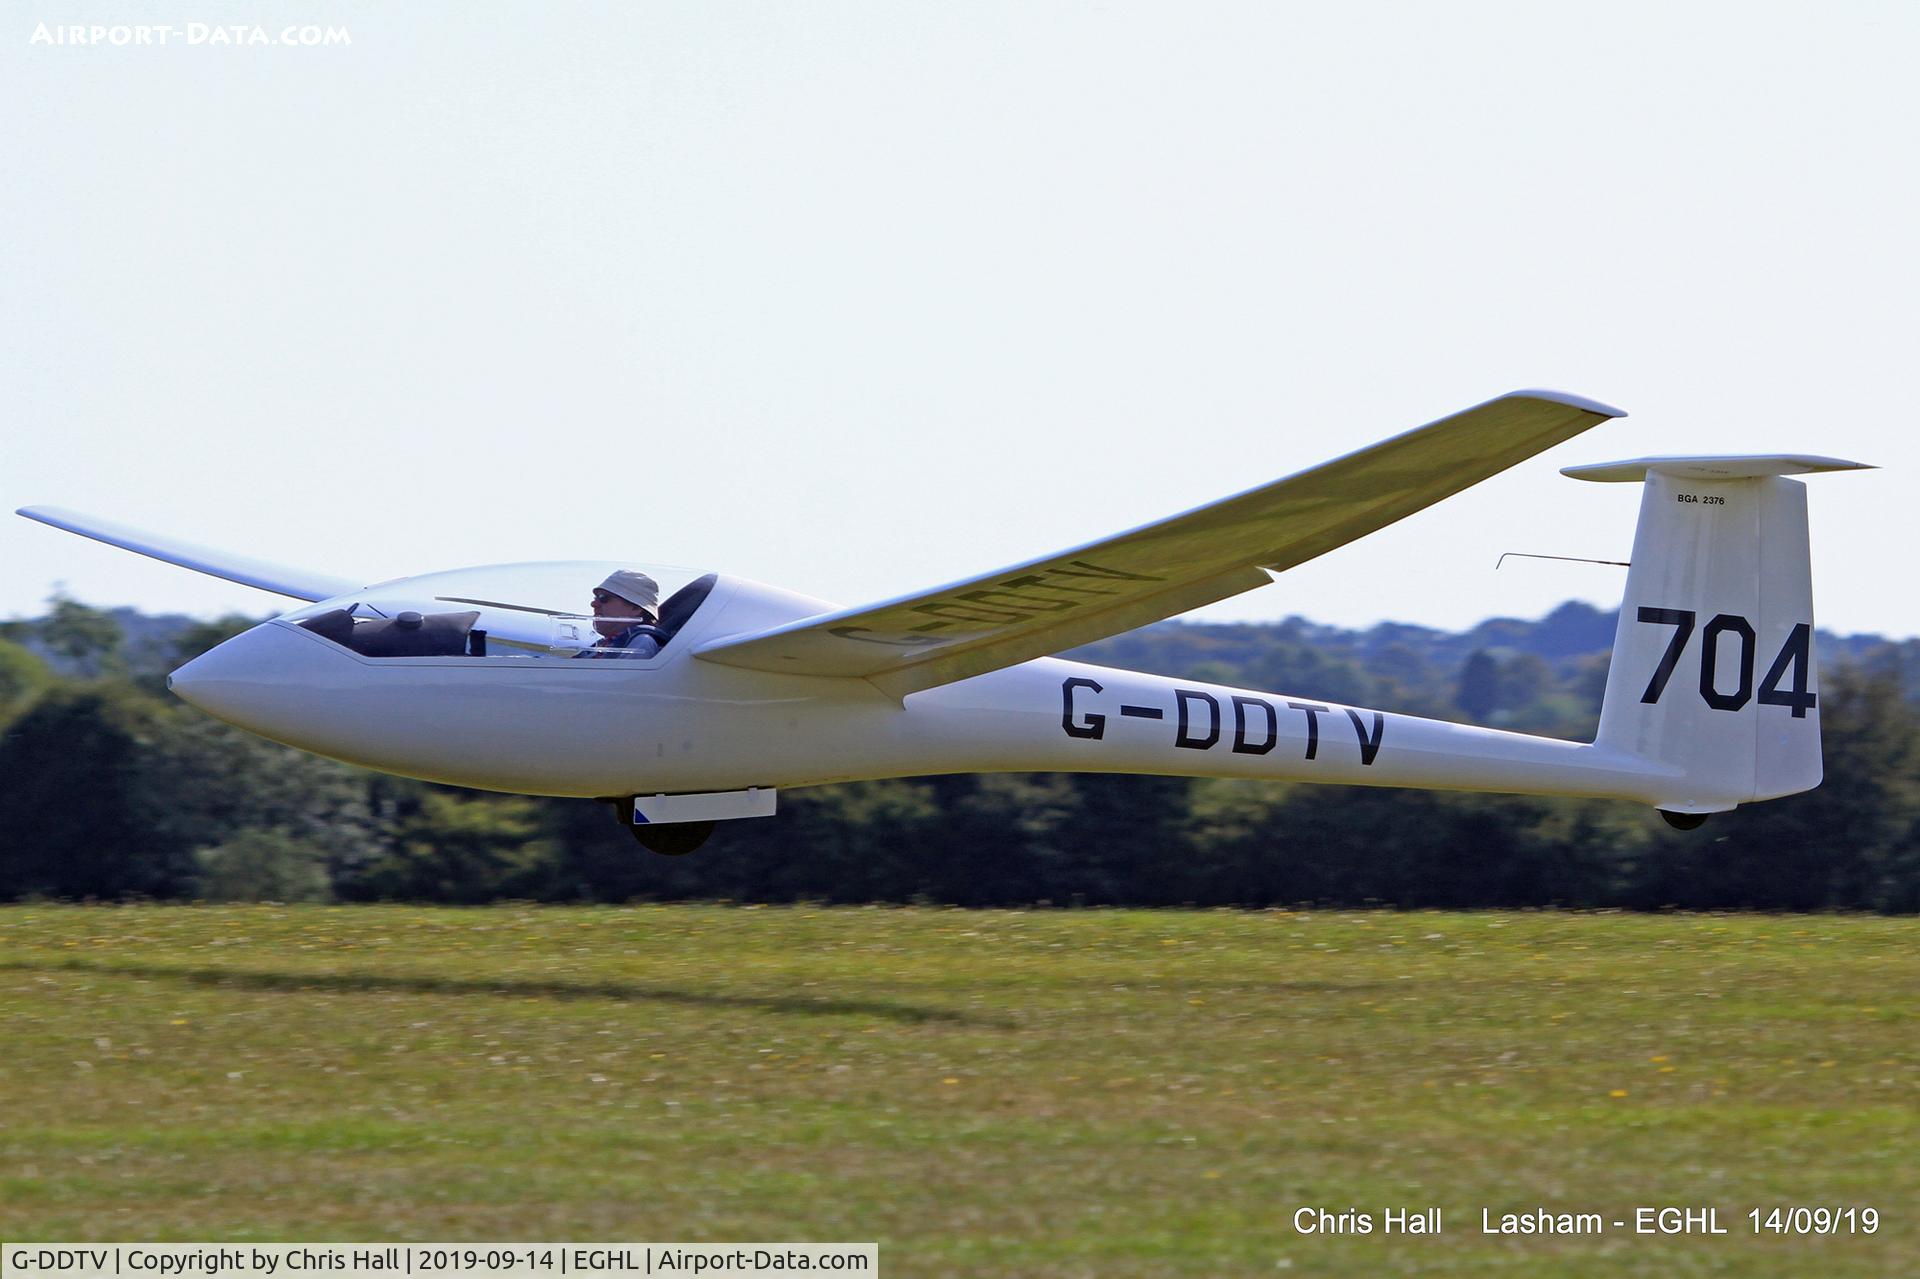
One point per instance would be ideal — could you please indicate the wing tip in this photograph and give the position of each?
(56, 516)
(1571, 401)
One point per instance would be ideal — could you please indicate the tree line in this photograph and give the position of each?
(114, 790)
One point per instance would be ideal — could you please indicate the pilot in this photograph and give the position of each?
(625, 615)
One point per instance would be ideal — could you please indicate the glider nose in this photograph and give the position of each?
(274, 680)
(228, 681)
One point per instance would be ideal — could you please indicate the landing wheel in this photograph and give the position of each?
(1685, 821)
(674, 840)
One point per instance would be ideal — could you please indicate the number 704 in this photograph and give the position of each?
(1792, 665)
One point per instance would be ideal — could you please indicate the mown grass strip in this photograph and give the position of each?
(1035, 1093)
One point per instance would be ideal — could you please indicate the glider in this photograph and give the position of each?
(485, 677)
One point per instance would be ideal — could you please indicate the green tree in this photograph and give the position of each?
(1300, 670)
(459, 847)
(109, 792)
(87, 637)
(1524, 679)
(1000, 839)
(1408, 682)
(858, 842)
(202, 636)
(1477, 693)
(221, 782)
(23, 678)
(263, 865)
(81, 812)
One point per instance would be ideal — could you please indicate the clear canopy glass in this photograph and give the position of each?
(539, 611)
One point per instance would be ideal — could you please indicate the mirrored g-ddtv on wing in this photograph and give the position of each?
(1162, 569)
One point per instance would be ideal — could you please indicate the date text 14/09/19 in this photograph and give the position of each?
(1665, 1220)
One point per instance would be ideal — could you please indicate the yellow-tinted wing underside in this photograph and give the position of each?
(1165, 568)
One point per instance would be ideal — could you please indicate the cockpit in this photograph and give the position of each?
(542, 611)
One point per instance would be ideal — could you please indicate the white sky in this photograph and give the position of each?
(861, 298)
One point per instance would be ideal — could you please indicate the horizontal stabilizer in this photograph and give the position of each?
(292, 582)
(1729, 467)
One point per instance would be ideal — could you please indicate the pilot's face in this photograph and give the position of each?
(612, 615)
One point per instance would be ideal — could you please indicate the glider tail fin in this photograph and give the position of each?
(1713, 677)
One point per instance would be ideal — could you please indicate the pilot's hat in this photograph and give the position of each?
(634, 587)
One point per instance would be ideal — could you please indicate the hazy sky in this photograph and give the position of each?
(860, 298)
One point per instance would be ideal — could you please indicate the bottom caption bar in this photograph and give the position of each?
(386, 1260)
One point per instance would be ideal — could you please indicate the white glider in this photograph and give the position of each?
(473, 677)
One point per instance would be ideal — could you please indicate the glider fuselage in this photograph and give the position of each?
(676, 723)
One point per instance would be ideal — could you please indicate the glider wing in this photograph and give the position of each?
(293, 582)
(1165, 568)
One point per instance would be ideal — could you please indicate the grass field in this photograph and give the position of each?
(1048, 1093)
